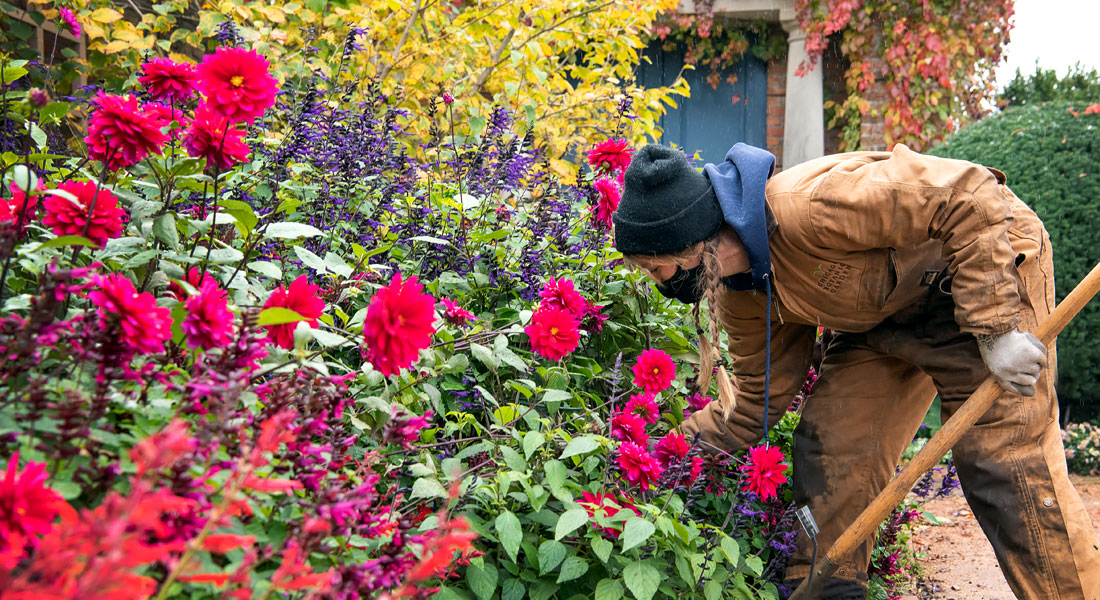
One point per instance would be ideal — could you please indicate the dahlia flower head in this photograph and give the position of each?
(236, 83)
(610, 156)
(764, 471)
(121, 134)
(456, 315)
(638, 466)
(399, 324)
(654, 371)
(553, 332)
(19, 209)
(169, 81)
(301, 297)
(209, 322)
(215, 138)
(628, 427)
(606, 506)
(143, 326)
(608, 201)
(644, 406)
(66, 217)
(27, 509)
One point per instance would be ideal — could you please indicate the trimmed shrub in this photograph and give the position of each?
(1051, 154)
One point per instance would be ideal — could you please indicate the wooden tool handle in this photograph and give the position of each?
(968, 414)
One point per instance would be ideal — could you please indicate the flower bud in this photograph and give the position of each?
(25, 179)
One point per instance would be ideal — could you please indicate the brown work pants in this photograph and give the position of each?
(873, 391)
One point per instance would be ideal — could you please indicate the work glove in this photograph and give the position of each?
(1015, 359)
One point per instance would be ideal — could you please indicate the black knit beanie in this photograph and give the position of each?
(666, 206)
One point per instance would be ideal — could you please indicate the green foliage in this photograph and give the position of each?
(1051, 155)
(1078, 85)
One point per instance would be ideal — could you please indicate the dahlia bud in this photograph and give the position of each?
(25, 179)
(38, 97)
(447, 98)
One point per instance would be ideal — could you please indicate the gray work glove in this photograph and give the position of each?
(1015, 359)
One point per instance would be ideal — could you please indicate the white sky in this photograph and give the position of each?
(1056, 32)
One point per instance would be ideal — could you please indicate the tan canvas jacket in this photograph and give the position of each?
(860, 235)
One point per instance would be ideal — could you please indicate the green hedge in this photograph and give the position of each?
(1052, 158)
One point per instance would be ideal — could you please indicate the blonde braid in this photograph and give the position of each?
(710, 348)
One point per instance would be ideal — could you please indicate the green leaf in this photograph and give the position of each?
(68, 490)
(242, 212)
(66, 240)
(569, 522)
(556, 396)
(731, 549)
(512, 459)
(572, 568)
(532, 441)
(543, 590)
(483, 580)
(580, 445)
(310, 259)
(269, 269)
(225, 256)
(327, 339)
(289, 230)
(608, 589)
(512, 589)
(336, 264)
(713, 590)
(602, 547)
(636, 532)
(430, 239)
(37, 135)
(53, 112)
(642, 579)
(425, 487)
(755, 565)
(277, 315)
(164, 230)
(509, 533)
(485, 355)
(10, 74)
(551, 553)
(556, 474)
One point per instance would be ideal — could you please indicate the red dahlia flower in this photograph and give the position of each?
(167, 114)
(143, 325)
(194, 278)
(671, 451)
(27, 509)
(19, 209)
(215, 138)
(553, 332)
(608, 202)
(560, 293)
(611, 155)
(654, 371)
(169, 81)
(120, 134)
(236, 84)
(644, 406)
(208, 323)
(70, 21)
(398, 326)
(605, 506)
(455, 315)
(627, 427)
(68, 218)
(638, 466)
(300, 297)
(765, 471)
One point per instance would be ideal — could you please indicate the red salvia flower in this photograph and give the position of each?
(27, 509)
(608, 201)
(162, 449)
(399, 324)
(439, 551)
(143, 326)
(209, 323)
(169, 81)
(215, 138)
(639, 467)
(628, 427)
(765, 471)
(220, 543)
(456, 315)
(236, 83)
(301, 297)
(654, 371)
(404, 429)
(553, 332)
(610, 155)
(65, 217)
(120, 134)
(644, 406)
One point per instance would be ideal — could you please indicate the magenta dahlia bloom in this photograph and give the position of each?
(644, 406)
(70, 21)
(608, 201)
(639, 467)
(169, 81)
(66, 217)
(301, 297)
(27, 509)
(143, 326)
(400, 323)
(456, 315)
(629, 427)
(215, 138)
(654, 371)
(560, 293)
(209, 323)
(610, 155)
(120, 134)
(236, 83)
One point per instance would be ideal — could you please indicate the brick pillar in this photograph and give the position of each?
(777, 92)
(872, 127)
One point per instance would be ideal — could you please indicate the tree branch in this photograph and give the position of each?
(401, 42)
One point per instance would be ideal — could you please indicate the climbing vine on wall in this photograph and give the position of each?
(935, 59)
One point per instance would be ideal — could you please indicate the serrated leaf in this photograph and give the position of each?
(483, 580)
(512, 459)
(580, 445)
(532, 441)
(731, 549)
(512, 589)
(636, 531)
(551, 553)
(290, 230)
(755, 565)
(164, 230)
(642, 579)
(509, 533)
(426, 487)
(569, 521)
(712, 590)
(277, 315)
(572, 568)
(485, 355)
(602, 547)
(543, 590)
(608, 589)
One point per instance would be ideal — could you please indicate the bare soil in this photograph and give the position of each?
(957, 559)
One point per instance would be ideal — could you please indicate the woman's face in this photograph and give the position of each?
(661, 268)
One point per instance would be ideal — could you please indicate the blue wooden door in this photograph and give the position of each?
(711, 120)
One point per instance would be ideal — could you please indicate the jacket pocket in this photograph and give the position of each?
(879, 279)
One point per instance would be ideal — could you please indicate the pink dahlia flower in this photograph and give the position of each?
(399, 324)
(144, 326)
(654, 371)
(610, 155)
(65, 217)
(27, 509)
(169, 81)
(120, 134)
(236, 83)
(553, 332)
(455, 315)
(209, 323)
(608, 201)
(644, 406)
(19, 208)
(765, 471)
(301, 297)
(215, 138)
(627, 427)
(560, 293)
(639, 467)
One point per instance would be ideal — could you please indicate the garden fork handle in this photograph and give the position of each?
(968, 414)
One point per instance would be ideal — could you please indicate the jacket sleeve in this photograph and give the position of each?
(909, 198)
(792, 350)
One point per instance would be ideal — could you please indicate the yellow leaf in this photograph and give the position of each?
(105, 15)
(274, 14)
(93, 31)
(115, 46)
